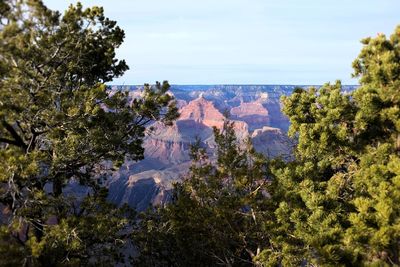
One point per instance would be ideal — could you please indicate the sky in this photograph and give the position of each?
(243, 41)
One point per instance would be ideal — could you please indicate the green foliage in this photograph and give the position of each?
(335, 204)
(92, 234)
(59, 124)
(216, 212)
(338, 201)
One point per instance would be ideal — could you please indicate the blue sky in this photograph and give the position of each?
(243, 41)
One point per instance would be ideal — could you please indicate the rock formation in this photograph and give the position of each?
(253, 113)
(253, 108)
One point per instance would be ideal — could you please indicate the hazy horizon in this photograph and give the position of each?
(243, 42)
(234, 84)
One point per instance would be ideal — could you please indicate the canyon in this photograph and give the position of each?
(254, 109)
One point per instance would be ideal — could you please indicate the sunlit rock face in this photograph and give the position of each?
(201, 110)
(255, 109)
(253, 113)
(204, 112)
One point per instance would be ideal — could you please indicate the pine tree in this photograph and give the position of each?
(60, 124)
(216, 213)
(374, 233)
(338, 201)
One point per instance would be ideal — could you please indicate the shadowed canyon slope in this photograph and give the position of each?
(254, 109)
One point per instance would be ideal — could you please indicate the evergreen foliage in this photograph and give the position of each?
(335, 204)
(339, 199)
(59, 125)
(216, 214)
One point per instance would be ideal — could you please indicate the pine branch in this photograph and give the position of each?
(18, 141)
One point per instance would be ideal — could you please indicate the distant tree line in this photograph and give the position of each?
(337, 203)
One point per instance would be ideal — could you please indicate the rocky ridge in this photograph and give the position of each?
(255, 111)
